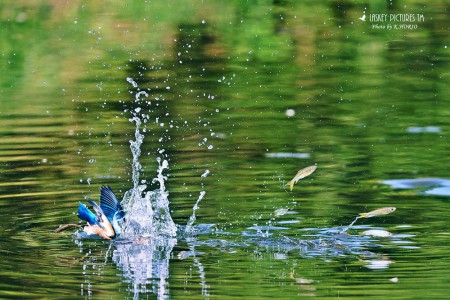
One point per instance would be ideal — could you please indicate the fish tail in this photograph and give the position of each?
(290, 184)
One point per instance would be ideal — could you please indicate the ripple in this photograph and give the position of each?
(287, 155)
(439, 186)
(415, 129)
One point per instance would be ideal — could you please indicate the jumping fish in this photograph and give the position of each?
(377, 233)
(280, 212)
(377, 212)
(301, 174)
(370, 214)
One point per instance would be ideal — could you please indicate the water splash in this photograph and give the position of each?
(188, 230)
(145, 264)
(163, 223)
(148, 215)
(145, 244)
(349, 226)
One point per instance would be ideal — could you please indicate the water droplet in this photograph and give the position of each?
(130, 80)
(290, 112)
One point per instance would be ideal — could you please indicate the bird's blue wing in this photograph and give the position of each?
(85, 214)
(110, 204)
(98, 210)
(103, 221)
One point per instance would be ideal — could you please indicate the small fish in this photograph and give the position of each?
(377, 212)
(185, 254)
(281, 211)
(303, 281)
(378, 264)
(301, 174)
(377, 233)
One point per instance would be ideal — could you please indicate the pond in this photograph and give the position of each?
(236, 97)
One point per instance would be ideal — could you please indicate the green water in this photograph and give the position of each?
(231, 84)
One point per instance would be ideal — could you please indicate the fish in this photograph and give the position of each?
(370, 214)
(301, 174)
(106, 221)
(185, 254)
(377, 212)
(280, 212)
(377, 233)
(377, 264)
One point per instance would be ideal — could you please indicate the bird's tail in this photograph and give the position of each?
(85, 214)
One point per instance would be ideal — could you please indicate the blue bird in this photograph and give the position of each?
(107, 218)
(111, 208)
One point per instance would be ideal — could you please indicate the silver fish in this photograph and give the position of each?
(301, 174)
(281, 211)
(377, 233)
(377, 212)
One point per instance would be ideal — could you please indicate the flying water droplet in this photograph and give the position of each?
(132, 82)
(188, 229)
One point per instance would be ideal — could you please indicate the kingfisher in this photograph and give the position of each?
(108, 217)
